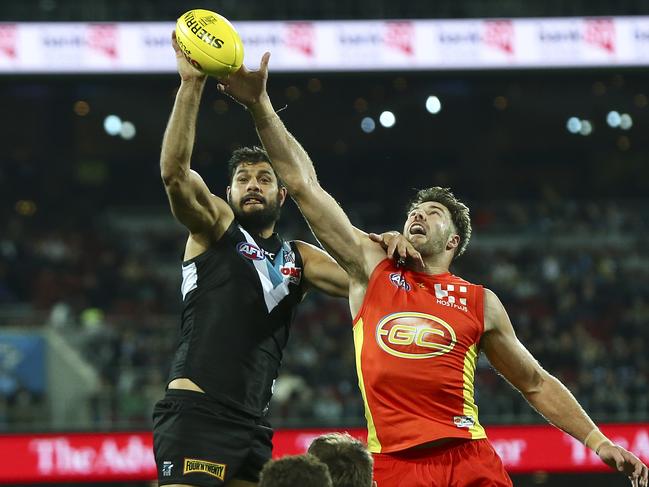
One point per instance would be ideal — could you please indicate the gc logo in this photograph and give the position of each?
(415, 335)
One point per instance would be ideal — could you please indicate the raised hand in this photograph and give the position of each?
(625, 462)
(186, 71)
(245, 86)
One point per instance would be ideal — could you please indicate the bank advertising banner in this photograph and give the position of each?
(97, 457)
(363, 45)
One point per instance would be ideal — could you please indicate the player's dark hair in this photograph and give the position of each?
(252, 154)
(458, 210)
(293, 470)
(349, 462)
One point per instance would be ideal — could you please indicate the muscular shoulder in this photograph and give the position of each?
(494, 311)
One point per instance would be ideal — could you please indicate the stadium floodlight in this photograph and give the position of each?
(387, 119)
(626, 122)
(586, 127)
(112, 124)
(368, 125)
(433, 104)
(613, 119)
(127, 131)
(573, 125)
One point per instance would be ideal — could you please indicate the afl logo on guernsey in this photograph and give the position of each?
(398, 280)
(250, 251)
(415, 335)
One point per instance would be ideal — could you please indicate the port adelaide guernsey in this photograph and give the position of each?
(239, 299)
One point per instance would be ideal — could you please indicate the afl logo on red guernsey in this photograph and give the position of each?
(250, 251)
(415, 335)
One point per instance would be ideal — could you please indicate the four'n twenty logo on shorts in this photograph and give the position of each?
(191, 465)
(415, 335)
(250, 251)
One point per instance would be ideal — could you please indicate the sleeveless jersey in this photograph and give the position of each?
(239, 299)
(416, 338)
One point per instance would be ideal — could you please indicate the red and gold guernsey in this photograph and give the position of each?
(416, 338)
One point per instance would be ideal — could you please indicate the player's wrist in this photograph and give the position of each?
(197, 80)
(261, 108)
(595, 440)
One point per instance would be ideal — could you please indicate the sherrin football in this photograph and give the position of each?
(209, 42)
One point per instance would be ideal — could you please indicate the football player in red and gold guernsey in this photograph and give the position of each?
(418, 330)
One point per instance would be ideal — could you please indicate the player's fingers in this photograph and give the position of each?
(631, 464)
(622, 465)
(412, 253)
(375, 237)
(263, 66)
(403, 249)
(642, 475)
(392, 247)
(174, 43)
(637, 470)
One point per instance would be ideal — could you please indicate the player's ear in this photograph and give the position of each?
(227, 193)
(453, 242)
(282, 195)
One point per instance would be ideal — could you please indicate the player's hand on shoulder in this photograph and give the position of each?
(625, 462)
(398, 248)
(186, 71)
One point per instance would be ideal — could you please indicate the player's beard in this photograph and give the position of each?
(433, 246)
(258, 219)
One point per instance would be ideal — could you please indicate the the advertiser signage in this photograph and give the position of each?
(96, 457)
(363, 45)
(76, 457)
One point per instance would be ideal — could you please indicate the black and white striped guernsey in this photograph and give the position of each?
(239, 299)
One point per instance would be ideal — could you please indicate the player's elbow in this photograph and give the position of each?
(171, 176)
(299, 186)
(534, 384)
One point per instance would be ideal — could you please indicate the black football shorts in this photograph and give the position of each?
(198, 441)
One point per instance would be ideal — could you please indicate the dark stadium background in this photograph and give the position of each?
(561, 221)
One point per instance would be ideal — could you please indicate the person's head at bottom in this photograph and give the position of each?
(349, 462)
(295, 471)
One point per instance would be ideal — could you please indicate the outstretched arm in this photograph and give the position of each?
(190, 199)
(323, 273)
(546, 393)
(351, 248)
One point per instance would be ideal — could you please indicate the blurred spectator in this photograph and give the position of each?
(350, 463)
(294, 470)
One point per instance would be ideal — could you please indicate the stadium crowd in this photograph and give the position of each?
(574, 277)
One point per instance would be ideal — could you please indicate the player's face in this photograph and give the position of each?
(255, 197)
(429, 228)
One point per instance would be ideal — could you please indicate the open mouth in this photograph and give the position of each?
(251, 200)
(417, 229)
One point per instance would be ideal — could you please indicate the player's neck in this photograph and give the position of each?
(266, 232)
(434, 264)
